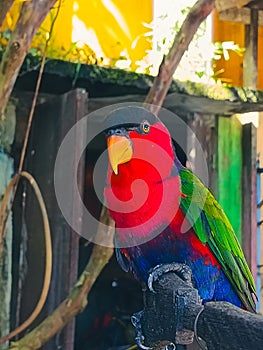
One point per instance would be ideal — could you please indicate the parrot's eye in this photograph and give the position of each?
(145, 127)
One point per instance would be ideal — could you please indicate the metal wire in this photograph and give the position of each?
(195, 329)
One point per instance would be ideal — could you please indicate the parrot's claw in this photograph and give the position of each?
(139, 339)
(182, 270)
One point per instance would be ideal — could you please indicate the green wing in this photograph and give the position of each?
(213, 228)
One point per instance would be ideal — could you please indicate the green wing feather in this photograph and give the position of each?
(214, 229)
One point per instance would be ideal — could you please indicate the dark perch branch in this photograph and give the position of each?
(170, 313)
(225, 326)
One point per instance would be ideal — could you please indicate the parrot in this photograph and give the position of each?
(165, 215)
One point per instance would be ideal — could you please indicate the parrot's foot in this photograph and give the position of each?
(182, 270)
(139, 339)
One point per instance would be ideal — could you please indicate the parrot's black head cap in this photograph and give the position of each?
(128, 116)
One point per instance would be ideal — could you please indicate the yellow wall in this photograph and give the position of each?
(106, 26)
(233, 69)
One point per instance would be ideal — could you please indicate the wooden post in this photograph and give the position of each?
(229, 185)
(204, 128)
(251, 53)
(249, 220)
(52, 121)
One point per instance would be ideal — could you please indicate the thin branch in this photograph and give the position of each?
(162, 82)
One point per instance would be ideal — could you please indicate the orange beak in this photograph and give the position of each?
(119, 150)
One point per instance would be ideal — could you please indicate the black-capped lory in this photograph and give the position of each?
(164, 214)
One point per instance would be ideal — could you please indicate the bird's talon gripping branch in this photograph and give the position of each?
(136, 322)
(182, 270)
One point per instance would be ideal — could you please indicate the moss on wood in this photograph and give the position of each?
(94, 78)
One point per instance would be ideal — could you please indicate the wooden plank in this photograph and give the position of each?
(250, 71)
(249, 202)
(222, 5)
(182, 103)
(240, 15)
(106, 82)
(74, 106)
(52, 121)
(229, 185)
(255, 4)
(204, 129)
